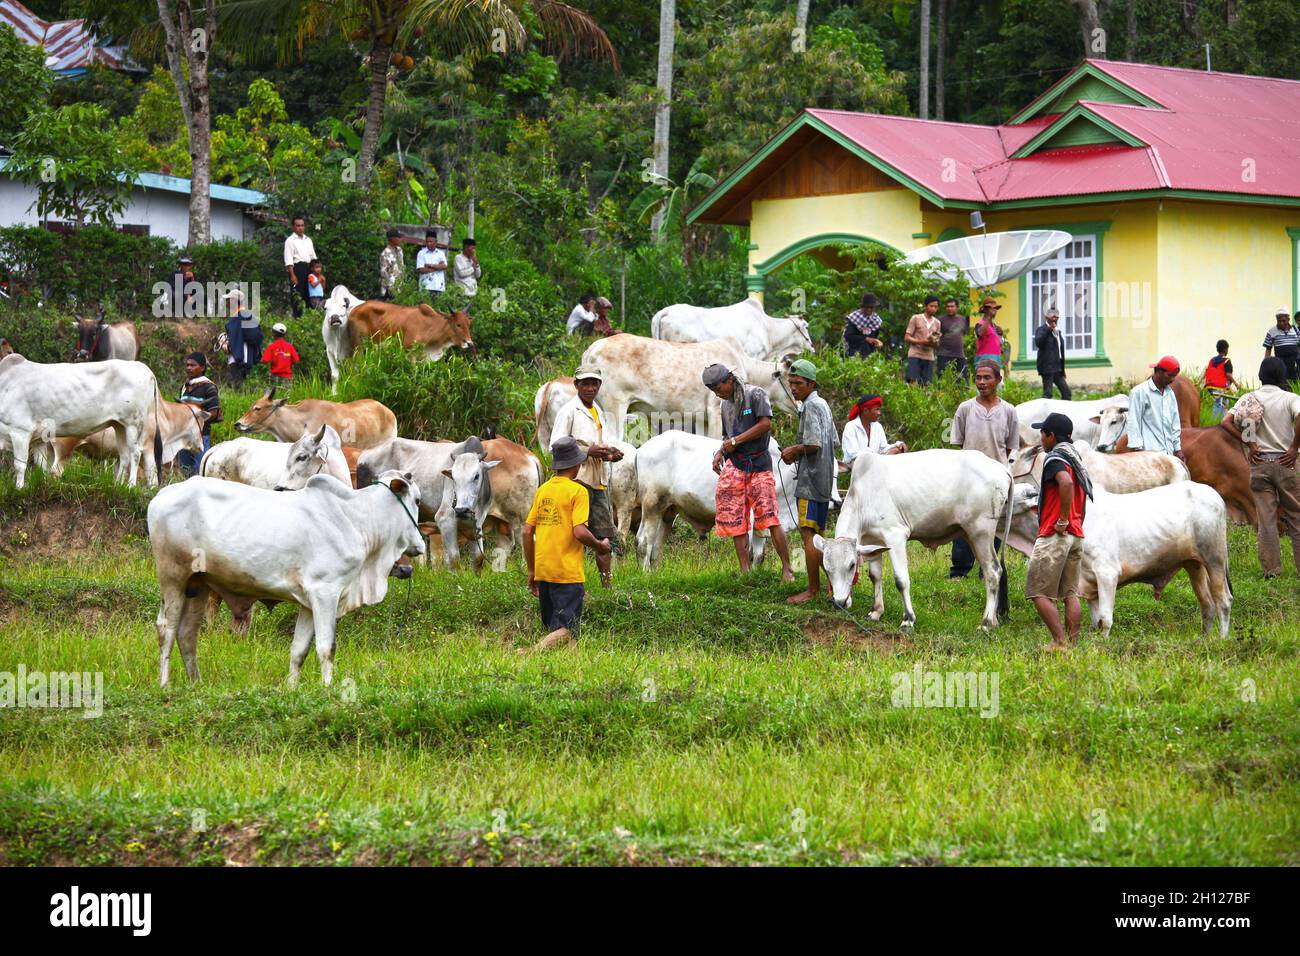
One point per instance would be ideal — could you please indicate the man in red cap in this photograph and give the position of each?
(1153, 423)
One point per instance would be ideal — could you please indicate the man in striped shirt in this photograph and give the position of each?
(862, 328)
(1153, 422)
(1283, 341)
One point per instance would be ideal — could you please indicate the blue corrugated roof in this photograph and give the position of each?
(175, 184)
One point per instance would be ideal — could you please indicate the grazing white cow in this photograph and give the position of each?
(1084, 415)
(674, 473)
(927, 496)
(274, 465)
(1118, 474)
(327, 548)
(64, 398)
(514, 484)
(1144, 538)
(182, 430)
(665, 378)
(762, 336)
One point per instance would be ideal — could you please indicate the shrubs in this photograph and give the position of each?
(90, 265)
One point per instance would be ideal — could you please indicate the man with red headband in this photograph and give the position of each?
(864, 433)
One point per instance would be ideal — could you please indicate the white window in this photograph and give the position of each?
(1066, 283)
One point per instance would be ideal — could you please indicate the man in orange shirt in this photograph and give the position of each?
(922, 337)
(280, 354)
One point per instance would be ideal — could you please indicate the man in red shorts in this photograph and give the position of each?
(744, 466)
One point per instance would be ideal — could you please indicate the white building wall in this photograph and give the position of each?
(165, 213)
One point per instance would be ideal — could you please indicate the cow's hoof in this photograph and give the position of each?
(907, 626)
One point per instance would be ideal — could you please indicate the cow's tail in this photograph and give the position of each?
(364, 475)
(157, 430)
(656, 323)
(1006, 528)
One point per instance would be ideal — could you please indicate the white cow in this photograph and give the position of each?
(1118, 474)
(327, 548)
(274, 465)
(182, 430)
(334, 329)
(1111, 424)
(514, 484)
(674, 472)
(666, 379)
(1084, 415)
(1144, 538)
(762, 336)
(624, 495)
(550, 398)
(65, 398)
(927, 496)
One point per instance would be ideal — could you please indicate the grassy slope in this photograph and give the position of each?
(443, 745)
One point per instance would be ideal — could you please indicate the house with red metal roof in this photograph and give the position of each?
(70, 47)
(1181, 189)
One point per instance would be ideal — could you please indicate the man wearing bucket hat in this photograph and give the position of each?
(582, 420)
(1153, 422)
(243, 337)
(1053, 572)
(814, 450)
(746, 485)
(555, 533)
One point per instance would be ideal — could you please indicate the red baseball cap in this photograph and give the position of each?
(1168, 363)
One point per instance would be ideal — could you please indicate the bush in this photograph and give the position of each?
(90, 266)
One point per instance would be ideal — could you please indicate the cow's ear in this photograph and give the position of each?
(819, 542)
(1096, 419)
(869, 551)
(398, 487)
(323, 451)
(446, 473)
(492, 464)
(280, 402)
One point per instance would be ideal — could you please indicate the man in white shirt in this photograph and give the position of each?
(298, 255)
(1267, 421)
(431, 265)
(582, 320)
(864, 433)
(583, 421)
(465, 269)
(1153, 422)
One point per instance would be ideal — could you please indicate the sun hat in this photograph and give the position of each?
(566, 452)
(588, 371)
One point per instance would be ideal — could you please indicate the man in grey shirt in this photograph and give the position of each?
(988, 425)
(815, 452)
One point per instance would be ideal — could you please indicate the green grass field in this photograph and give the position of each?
(700, 720)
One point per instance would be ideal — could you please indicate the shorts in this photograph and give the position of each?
(561, 604)
(813, 514)
(920, 370)
(740, 493)
(600, 516)
(1054, 567)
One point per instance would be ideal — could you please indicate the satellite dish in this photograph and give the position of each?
(989, 259)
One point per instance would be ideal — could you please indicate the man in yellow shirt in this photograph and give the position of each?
(555, 532)
(584, 421)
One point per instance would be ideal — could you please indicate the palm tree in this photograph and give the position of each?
(666, 203)
(481, 27)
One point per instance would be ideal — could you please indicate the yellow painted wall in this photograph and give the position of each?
(889, 216)
(1224, 271)
(1127, 296)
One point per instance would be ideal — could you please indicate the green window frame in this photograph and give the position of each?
(1294, 233)
(1097, 229)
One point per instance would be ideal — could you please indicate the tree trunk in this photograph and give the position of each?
(940, 42)
(801, 20)
(381, 46)
(1089, 22)
(663, 110)
(195, 100)
(1130, 46)
(923, 101)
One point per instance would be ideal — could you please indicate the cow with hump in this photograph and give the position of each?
(760, 335)
(327, 548)
(361, 424)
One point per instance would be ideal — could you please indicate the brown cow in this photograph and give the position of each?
(1189, 401)
(349, 321)
(97, 341)
(361, 424)
(5, 347)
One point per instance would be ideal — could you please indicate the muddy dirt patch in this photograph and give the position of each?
(829, 630)
(55, 530)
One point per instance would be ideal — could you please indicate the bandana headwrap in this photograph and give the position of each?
(868, 401)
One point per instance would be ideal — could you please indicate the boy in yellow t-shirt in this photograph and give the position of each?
(554, 534)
